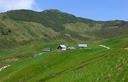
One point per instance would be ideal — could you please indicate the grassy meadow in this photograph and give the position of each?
(94, 64)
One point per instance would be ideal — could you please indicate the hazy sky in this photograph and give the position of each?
(94, 9)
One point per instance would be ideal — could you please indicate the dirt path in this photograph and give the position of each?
(4, 67)
(105, 47)
(39, 54)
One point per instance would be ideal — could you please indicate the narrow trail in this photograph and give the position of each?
(4, 67)
(39, 54)
(105, 47)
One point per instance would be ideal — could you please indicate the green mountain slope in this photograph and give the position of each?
(24, 26)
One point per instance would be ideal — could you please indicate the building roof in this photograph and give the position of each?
(63, 45)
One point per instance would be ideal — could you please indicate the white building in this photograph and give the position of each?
(82, 45)
(62, 47)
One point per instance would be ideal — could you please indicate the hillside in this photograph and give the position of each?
(94, 64)
(18, 27)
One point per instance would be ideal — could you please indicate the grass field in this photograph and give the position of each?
(94, 64)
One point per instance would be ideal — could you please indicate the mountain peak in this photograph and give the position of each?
(52, 10)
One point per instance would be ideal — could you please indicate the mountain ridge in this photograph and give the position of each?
(24, 26)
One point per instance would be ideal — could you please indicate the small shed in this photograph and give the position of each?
(82, 45)
(47, 49)
(62, 47)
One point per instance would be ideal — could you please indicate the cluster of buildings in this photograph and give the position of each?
(63, 47)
